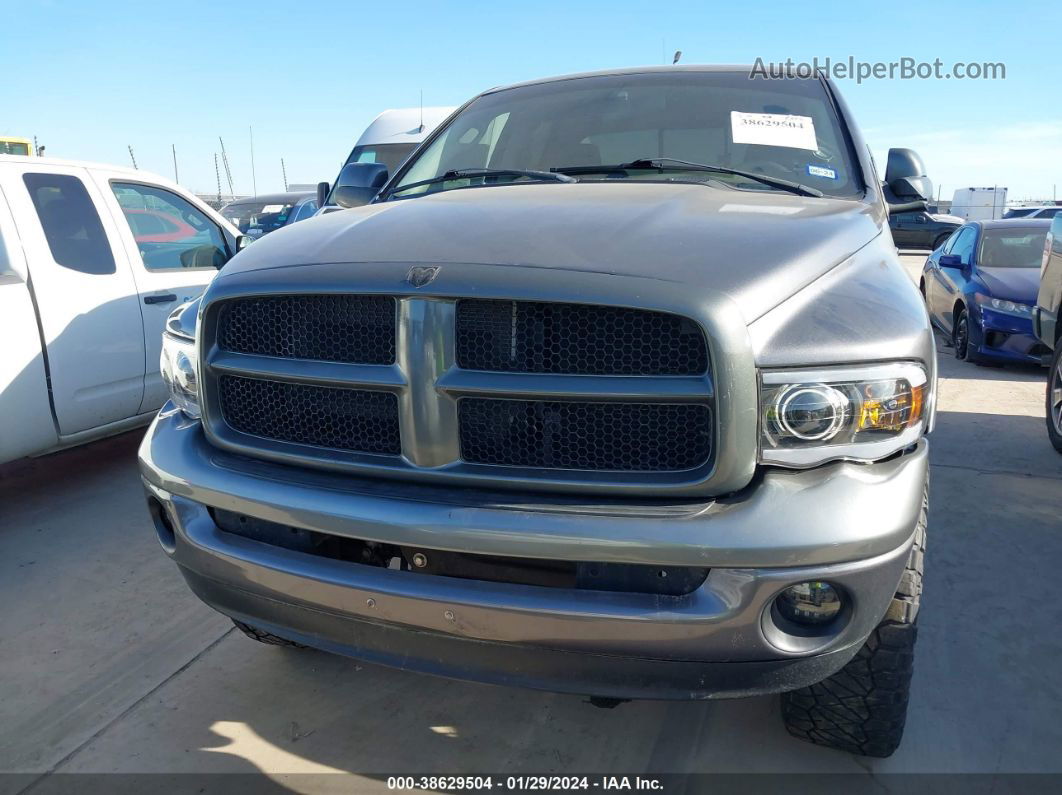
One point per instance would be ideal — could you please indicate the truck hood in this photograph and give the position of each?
(759, 248)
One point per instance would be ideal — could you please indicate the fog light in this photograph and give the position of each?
(809, 603)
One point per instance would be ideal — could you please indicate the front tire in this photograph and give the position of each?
(862, 709)
(962, 337)
(1054, 398)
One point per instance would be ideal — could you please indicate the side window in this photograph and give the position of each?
(70, 222)
(964, 245)
(1048, 213)
(951, 241)
(306, 211)
(169, 230)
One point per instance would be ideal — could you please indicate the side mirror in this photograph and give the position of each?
(243, 241)
(905, 177)
(347, 196)
(358, 183)
(206, 256)
(323, 189)
(950, 261)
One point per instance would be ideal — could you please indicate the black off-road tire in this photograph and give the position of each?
(1054, 395)
(262, 636)
(862, 708)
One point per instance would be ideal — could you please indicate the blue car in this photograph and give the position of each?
(980, 287)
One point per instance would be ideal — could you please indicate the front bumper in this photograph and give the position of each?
(1007, 338)
(849, 524)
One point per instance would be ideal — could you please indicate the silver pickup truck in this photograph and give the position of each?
(617, 387)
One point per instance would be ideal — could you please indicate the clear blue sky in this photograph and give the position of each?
(90, 78)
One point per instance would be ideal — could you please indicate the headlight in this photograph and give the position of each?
(808, 417)
(1006, 307)
(179, 370)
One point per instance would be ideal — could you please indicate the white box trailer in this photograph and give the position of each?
(979, 204)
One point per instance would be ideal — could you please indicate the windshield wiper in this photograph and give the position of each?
(470, 173)
(662, 163)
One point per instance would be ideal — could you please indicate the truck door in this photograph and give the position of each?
(909, 229)
(86, 297)
(26, 424)
(175, 249)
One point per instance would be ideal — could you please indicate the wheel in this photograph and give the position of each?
(1054, 398)
(262, 636)
(862, 708)
(963, 340)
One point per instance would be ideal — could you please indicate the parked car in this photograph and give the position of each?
(980, 287)
(84, 295)
(153, 226)
(922, 229)
(617, 387)
(387, 141)
(1047, 328)
(1047, 211)
(260, 215)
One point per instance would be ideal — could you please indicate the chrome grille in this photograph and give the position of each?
(550, 337)
(626, 437)
(356, 329)
(353, 420)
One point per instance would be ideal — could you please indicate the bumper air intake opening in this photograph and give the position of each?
(674, 581)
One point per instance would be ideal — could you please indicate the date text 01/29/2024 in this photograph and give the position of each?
(531, 783)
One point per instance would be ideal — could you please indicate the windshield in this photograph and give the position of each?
(1019, 213)
(1012, 248)
(257, 218)
(785, 129)
(391, 155)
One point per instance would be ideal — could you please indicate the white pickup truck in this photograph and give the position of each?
(92, 260)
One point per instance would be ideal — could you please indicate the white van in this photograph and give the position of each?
(93, 258)
(979, 204)
(389, 139)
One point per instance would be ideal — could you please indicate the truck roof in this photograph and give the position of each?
(403, 125)
(58, 161)
(629, 70)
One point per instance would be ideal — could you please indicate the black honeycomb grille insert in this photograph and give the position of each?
(355, 329)
(620, 437)
(543, 337)
(352, 420)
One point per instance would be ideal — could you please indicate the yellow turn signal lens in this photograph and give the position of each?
(890, 405)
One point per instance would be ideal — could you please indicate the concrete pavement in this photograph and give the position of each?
(107, 662)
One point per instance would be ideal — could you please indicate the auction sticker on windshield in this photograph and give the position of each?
(773, 129)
